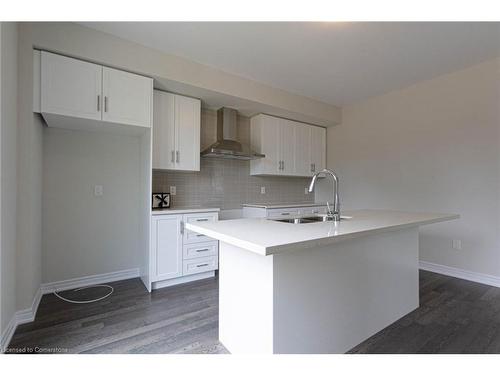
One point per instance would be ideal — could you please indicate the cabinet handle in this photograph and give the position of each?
(285, 213)
(283, 165)
(202, 265)
(314, 167)
(177, 158)
(182, 227)
(199, 235)
(202, 250)
(201, 219)
(98, 103)
(105, 104)
(173, 160)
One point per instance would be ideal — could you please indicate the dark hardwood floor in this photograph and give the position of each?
(455, 316)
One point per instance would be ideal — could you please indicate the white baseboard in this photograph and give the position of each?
(183, 279)
(7, 334)
(89, 280)
(20, 317)
(28, 315)
(461, 273)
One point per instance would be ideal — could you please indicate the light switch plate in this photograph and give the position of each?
(456, 244)
(98, 190)
(173, 190)
(263, 190)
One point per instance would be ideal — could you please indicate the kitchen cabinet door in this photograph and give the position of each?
(70, 87)
(167, 247)
(187, 137)
(265, 135)
(318, 148)
(287, 146)
(127, 98)
(163, 130)
(302, 149)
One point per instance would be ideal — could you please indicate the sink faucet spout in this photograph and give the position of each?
(333, 212)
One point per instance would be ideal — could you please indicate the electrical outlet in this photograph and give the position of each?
(173, 190)
(306, 190)
(456, 244)
(263, 190)
(98, 190)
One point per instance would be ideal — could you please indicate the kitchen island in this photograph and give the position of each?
(316, 287)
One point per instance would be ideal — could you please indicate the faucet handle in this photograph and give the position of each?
(329, 208)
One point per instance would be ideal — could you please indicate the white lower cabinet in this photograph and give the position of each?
(167, 246)
(198, 265)
(203, 249)
(179, 254)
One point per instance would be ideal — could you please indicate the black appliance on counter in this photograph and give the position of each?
(160, 200)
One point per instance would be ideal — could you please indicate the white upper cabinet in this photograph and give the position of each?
(187, 137)
(127, 98)
(176, 132)
(318, 149)
(302, 149)
(292, 148)
(70, 87)
(73, 91)
(163, 130)
(265, 138)
(287, 147)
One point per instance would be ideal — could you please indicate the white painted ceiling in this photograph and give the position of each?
(337, 63)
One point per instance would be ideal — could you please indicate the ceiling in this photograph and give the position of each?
(337, 63)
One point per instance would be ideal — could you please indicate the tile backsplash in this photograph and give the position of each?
(227, 183)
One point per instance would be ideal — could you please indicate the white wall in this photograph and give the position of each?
(8, 121)
(434, 146)
(84, 234)
(29, 180)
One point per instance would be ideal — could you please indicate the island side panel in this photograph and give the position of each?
(245, 301)
(329, 299)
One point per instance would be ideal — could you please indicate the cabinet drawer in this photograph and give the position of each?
(318, 210)
(193, 237)
(197, 265)
(200, 250)
(283, 212)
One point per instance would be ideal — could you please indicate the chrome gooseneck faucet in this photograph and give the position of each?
(333, 213)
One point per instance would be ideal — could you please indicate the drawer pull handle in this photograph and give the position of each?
(202, 250)
(285, 213)
(201, 219)
(202, 265)
(200, 235)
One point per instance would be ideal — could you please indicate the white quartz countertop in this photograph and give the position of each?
(266, 237)
(282, 205)
(187, 210)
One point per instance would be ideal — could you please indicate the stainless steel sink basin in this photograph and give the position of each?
(308, 219)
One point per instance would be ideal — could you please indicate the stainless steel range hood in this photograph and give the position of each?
(227, 147)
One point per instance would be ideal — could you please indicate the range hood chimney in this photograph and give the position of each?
(227, 147)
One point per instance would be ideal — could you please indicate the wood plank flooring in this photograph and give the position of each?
(455, 316)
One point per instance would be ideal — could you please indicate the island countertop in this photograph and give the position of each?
(267, 237)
